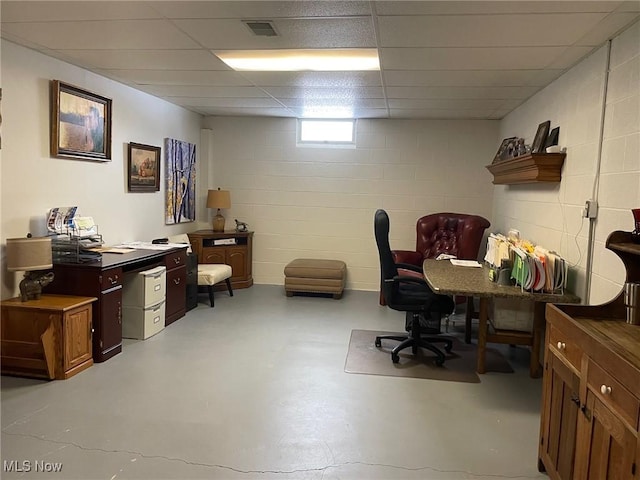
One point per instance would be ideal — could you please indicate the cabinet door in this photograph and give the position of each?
(560, 416)
(110, 334)
(213, 255)
(76, 331)
(237, 259)
(606, 447)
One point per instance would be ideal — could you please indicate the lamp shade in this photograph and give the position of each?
(29, 254)
(219, 199)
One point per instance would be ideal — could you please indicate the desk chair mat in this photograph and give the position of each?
(460, 365)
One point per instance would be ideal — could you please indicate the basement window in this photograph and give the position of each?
(326, 132)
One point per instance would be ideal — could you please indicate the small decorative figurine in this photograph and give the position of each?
(241, 226)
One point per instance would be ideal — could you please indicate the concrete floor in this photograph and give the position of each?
(255, 389)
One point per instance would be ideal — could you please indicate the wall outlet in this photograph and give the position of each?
(590, 209)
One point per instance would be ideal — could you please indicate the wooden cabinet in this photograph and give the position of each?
(47, 338)
(210, 247)
(175, 307)
(591, 387)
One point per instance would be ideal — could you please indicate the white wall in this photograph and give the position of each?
(551, 215)
(619, 183)
(33, 182)
(319, 202)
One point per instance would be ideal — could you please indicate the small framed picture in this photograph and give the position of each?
(143, 174)
(541, 137)
(504, 149)
(553, 137)
(80, 123)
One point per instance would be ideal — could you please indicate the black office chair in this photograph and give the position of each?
(409, 292)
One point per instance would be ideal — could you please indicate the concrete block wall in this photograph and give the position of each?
(318, 202)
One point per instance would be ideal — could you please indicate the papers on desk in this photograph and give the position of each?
(533, 268)
(148, 246)
(465, 263)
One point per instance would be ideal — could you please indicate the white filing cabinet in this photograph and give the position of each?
(143, 303)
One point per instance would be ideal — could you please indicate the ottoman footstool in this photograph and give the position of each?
(307, 275)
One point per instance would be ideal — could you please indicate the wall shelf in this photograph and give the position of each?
(530, 168)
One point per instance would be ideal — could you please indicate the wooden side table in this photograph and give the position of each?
(46, 338)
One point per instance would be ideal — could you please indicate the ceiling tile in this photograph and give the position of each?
(225, 102)
(102, 35)
(260, 9)
(607, 28)
(325, 92)
(461, 92)
(315, 79)
(470, 78)
(49, 11)
(497, 7)
(439, 113)
(469, 58)
(445, 103)
(485, 30)
(200, 91)
(355, 32)
(176, 60)
(244, 112)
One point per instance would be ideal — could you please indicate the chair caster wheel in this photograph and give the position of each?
(378, 343)
(439, 361)
(395, 358)
(448, 348)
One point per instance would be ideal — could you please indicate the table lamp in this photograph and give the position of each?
(218, 199)
(31, 255)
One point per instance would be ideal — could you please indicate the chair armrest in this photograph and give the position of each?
(411, 268)
(407, 256)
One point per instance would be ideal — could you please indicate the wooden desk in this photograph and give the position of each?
(447, 279)
(46, 338)
(103, 280)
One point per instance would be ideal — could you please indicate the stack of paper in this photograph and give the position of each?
(534, 268)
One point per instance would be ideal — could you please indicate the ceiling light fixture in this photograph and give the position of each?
(334, 59)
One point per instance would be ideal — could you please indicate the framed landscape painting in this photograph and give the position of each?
(80, 123)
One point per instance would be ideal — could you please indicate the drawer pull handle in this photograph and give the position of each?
(562, 345)
(113, 280)
(176, 281)
(177, 260)
(605, 390)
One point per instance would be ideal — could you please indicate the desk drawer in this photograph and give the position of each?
(566, 348)
(110, 278)
(613, 393)
(176, 259)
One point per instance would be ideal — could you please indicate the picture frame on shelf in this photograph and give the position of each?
(503, 150)
(540, 139)
(553, 137)
(80, 123)
(143, 168)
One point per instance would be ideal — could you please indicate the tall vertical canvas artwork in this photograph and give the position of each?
(180, 206)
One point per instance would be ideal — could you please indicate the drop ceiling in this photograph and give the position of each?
(439, 59)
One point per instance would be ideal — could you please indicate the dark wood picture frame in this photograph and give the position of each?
(143, 168)
(502, 153)
(80, 123)
(541, 137)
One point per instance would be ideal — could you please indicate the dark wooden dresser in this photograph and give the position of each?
(591, 387)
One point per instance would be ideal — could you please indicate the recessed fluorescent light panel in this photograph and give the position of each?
(335, 59)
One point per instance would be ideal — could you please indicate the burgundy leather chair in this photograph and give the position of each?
(451, 233)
